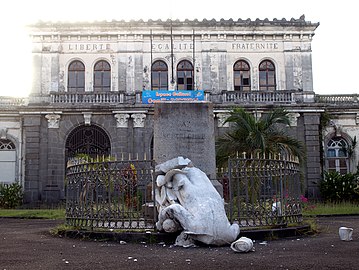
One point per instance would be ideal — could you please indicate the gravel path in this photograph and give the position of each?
(27, 244)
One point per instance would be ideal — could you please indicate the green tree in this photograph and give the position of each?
(258, 136)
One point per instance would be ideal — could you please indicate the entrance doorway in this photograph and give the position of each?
(89, 140)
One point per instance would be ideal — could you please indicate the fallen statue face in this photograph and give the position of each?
(188, 201)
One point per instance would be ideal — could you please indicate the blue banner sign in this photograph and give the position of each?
(150, 97)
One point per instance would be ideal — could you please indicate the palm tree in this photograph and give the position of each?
(258, 136)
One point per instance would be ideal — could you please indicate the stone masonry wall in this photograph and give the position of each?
(312, 141)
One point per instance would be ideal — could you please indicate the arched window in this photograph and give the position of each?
(337, 155)
(102, 76)
(185, 75)
(76, 77)
(267, 80)
(242, 76)
(7, 161)
(90, 140)
(159, 76)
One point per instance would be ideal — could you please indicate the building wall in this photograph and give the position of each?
(130, 49)
(215, 48)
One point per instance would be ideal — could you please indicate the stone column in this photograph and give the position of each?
(32, 183)
(312, 140)
(53, 120)
(122, 120)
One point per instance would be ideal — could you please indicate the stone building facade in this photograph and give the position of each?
(88, 80)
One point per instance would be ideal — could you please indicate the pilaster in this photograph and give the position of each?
(312, 140)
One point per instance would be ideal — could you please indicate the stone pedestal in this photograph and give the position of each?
(186, 129)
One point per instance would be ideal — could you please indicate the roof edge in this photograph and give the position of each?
(301, 22)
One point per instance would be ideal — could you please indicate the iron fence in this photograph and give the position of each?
(262, 191)
(110, 194)
(258, 191)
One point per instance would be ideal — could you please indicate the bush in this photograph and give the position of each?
(336, 187)
(10, 195)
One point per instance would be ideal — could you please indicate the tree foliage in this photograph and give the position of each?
(266, 135)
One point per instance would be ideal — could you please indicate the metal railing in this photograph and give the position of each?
(262, 191)
(110, 194)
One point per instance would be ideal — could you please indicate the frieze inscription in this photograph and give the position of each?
(182, 46)
(87, 47)
(255, 46)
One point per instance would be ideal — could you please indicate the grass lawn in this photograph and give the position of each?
(34, 213)
(342, 208)
(310, 209)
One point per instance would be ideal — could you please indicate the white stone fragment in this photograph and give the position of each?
(175, 163)
(346, 234)
(243, 244)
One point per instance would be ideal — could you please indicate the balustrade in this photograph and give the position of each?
(337, 99)
(283, 96)
(280, 96)
(90, 97)
(225, 97)
(12, 101)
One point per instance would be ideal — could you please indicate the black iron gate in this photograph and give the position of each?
(110, 194)
(262, 191)
(88, 140)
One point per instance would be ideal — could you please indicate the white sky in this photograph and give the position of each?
(335, 45)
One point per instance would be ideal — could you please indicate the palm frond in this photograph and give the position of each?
(264, 135)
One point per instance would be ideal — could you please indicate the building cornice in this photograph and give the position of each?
(134, 25)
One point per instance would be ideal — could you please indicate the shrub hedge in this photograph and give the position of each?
(11, 195)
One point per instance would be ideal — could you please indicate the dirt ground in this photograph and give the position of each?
(27, 244)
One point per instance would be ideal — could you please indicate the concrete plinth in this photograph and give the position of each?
(185, 129)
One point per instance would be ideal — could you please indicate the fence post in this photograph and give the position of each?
(230, 190)
(282, 163)
(155, 217)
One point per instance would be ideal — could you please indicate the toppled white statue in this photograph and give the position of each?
(188, 202)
